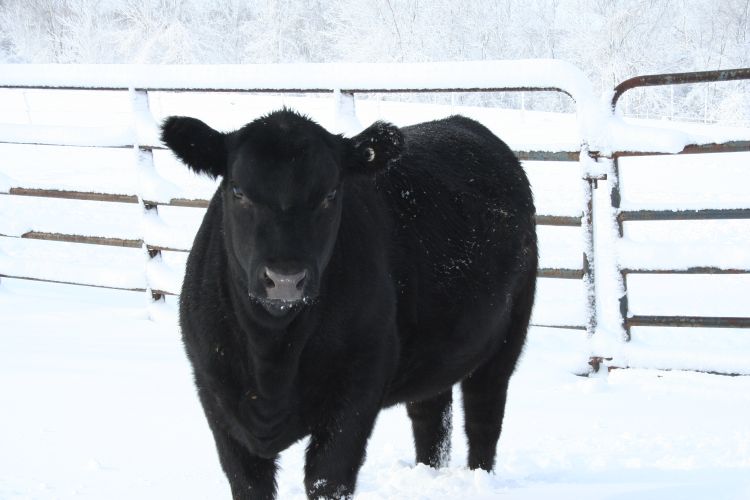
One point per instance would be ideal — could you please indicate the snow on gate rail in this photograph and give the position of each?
(157, 205)
(157, 176)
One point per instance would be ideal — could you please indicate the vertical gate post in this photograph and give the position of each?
(615, 197)
(587, 227)
(612, 306)
(590, 175)
(345, 113)
(143, 121)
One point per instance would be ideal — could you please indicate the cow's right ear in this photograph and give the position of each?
(200, 147)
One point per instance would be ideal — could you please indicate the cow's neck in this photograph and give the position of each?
(275, 356)
(273, 348)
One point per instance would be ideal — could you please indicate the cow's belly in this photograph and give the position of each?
(439, 350)
(429, 371)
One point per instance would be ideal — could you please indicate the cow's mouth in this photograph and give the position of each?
(280, 308)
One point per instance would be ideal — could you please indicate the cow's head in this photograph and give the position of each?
(283, 180)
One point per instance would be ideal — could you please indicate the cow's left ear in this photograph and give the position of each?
(376, 147)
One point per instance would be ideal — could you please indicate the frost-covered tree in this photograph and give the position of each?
(610, 40)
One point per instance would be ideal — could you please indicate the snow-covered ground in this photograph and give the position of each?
(96, 397)
(98, 403)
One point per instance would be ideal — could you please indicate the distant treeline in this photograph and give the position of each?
(610, 40)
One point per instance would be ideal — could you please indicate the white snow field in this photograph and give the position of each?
(96, 395)
(98, 403)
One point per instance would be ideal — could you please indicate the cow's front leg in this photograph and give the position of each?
(250, 477)
(336, 452)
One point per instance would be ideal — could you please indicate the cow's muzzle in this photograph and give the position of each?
(282, 293)
(284, 287)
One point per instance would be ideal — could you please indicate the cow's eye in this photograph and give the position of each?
(329, 199)
(238, 195)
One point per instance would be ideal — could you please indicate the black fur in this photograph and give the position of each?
(417, 278)
(199, 146)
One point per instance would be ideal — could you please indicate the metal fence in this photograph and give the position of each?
(342, 92)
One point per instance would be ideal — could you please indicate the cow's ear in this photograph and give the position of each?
(375, 148)
(200, 147)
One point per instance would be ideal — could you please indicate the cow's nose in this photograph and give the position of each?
(283, 286)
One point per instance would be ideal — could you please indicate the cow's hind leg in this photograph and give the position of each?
(431, 421)
(484, 395)
(485, 390)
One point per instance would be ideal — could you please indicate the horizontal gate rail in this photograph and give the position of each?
(73, 195)
(77, 238)
(311, 78)
(689, 270)
(90, 285)
(693, 149)
(723, 75)
(541, 219)
(690, 321)
(696, 214)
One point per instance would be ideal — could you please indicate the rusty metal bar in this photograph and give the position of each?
(160, 248)
(77, 238)
(558, 220)
(536, 155)
(454, 90)
(679, 78)
(700, 214)
(154, 250)
(596, 363)
(689, 321)
(121, 242)
(105, 241)
(522, 155)
(560, 327)
(690, 270)
(109, 197)
(112, 145)
(542, 220)
(560, 273)
(726, 147)
(184, 202)
(301, 91)
(37, 86)
(42, 280)
(548, 155)
(73, 195)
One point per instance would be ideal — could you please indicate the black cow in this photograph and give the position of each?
(332, 277)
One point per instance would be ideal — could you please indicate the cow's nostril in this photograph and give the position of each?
(301, 281)
(267, 280)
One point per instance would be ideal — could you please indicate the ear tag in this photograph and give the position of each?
(370, 154)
